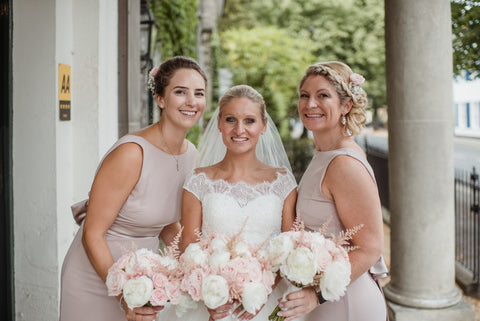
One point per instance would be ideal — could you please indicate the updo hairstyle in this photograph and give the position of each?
(167, 69)
(339, 74)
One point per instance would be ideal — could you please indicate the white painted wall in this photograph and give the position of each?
(467, 91)
(54, 161)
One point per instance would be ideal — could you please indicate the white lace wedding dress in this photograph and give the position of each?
(226, 207)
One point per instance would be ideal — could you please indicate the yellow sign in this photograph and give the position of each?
(64, 93)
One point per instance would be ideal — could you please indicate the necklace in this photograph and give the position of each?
(168, 148)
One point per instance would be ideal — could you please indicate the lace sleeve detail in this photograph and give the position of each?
(195, 184)
(286, 184)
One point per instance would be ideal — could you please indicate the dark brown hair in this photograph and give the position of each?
(167, 69)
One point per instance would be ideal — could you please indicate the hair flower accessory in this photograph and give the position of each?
(355, 81)
(151, 79)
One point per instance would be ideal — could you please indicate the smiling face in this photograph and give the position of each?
(319, 105)
(241, 124)
(184, 99)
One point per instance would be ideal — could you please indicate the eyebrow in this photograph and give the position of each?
(183, 87)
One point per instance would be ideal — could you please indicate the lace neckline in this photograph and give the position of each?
(278, 176)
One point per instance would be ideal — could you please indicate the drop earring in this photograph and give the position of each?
(343, 120)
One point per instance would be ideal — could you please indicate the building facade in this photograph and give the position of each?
(466, 100)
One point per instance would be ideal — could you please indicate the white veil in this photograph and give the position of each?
(269, 149)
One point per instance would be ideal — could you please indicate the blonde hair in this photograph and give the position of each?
(243, 91)
(339, 74)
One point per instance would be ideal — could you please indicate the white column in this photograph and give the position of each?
(34, 176)
(421, 169)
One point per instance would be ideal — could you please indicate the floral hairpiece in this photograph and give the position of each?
(355, 81)
(151, 79)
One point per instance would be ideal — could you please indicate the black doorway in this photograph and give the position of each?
(6, 243)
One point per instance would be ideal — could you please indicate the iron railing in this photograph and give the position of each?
(467, 221)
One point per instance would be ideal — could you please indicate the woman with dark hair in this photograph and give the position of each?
(135, 197)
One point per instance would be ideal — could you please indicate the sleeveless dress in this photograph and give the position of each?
(225, 208)
(364, 298)
(154, 202)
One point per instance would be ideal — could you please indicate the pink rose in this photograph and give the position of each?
(192, 283)
(115, 281)
(323, 256)
(268, 280)
(357, 79)
(159, 281)
(153, 72)
(173, 291)
(159, 297)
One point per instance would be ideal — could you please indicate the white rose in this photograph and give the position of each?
(186, 303)
(334, 280)
(214, 291)
(254, 296)
(278, 249)
(219, 258)
(300, 266)
(317, 239)
(168, 262)
(137, 292)
(242, 249)
(194, 255)
(141, 261)
(218, 243)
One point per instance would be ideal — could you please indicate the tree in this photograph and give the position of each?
(466, 40)
(177, 22)
(351, 31)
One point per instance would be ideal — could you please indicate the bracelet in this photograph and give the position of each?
(320, 298)
(319, 295)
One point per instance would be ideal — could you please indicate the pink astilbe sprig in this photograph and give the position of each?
(173, 249)
(298, 224)
(344, 237)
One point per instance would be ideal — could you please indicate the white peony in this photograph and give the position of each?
(141, 260)
(334, 280)
(168, 262)
(194, 256)
(214, 291)
(186, 303)
(278, 249)
(137, 292)
(242, 249)
(254, 296)
(218, 243)
(300, 266)
(219, 258)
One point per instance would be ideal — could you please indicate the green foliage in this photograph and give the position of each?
(351, 31)
(299, 152)
(176, 21)
(466, 40)
(270, 60)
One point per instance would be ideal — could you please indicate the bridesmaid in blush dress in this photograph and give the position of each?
(339, 187)
(135, 197)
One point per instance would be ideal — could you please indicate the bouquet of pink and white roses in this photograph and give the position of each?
(145, 278)
(220, 269)
(307, 258)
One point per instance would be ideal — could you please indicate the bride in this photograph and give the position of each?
(247, 180)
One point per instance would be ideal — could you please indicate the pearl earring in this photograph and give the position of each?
(343, 120)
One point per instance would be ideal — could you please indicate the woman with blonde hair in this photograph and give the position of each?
(339, 187)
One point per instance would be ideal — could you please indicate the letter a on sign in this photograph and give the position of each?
(64, 94)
